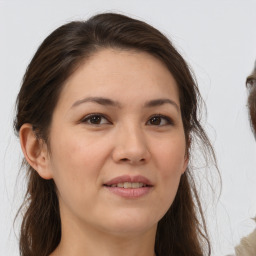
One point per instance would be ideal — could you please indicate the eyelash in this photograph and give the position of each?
(88, 119)
(168, 120)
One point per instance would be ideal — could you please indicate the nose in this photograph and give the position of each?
(131, 146)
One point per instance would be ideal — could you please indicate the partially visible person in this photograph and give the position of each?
(251, 85)
(247, 246)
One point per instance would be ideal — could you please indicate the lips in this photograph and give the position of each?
(130, 187)
(127, 181)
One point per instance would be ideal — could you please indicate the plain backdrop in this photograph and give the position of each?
(218, 40)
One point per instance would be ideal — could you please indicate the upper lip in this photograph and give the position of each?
(128, 178)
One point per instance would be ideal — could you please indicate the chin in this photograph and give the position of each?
(130, 223)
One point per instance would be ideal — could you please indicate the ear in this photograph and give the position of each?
(185, 165)
(35, 151)
(187, 156)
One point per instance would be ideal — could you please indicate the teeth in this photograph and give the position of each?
(120, 185)
(135, 185)
(129, 185)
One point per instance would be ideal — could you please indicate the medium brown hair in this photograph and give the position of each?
(182, 231)
(251, 85)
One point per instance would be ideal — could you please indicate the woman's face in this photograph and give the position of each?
(117, 144)
(252, 106)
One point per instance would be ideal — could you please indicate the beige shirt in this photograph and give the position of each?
(247, 246)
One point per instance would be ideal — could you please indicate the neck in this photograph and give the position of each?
(81, 239)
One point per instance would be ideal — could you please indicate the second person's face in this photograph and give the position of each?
(117, 143)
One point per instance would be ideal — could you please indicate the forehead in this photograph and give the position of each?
(115, 73)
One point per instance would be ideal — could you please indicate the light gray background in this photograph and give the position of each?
(217, 38)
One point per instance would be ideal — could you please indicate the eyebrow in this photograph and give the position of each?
(99, 100)
(159, 102)
(109, 102)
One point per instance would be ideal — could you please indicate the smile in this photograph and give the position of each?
(128, 185)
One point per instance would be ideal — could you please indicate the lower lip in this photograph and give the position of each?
(130, 192)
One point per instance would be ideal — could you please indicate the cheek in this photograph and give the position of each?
(171, 163)
(170, 158)
(76, 164)
(79, 150)
(77, 160)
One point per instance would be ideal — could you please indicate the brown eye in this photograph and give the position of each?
(155, 120)
(95, 119)
(159, 120)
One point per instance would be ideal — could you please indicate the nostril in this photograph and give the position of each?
(125, 160)
(132, 161)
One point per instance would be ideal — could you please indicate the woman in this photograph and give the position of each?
(107, 115)
(251, 85)
(247, 246)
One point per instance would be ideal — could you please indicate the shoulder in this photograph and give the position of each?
(247, 246)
